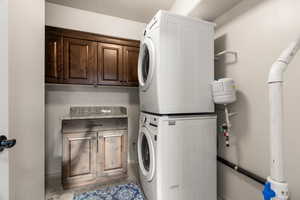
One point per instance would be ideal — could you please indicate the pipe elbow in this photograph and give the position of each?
(288, 54)
(276, 72)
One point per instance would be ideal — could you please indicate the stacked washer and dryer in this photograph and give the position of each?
(177, 137)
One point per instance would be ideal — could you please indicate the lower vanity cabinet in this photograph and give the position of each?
(113, 153)
(94, 157)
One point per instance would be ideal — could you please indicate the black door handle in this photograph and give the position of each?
(5, 143)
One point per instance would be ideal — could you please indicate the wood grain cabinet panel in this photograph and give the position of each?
(79, 158)
(53, 58)
(94, 157)
(113, 154)
(110, 64)
(130, 57)
(75, 57)
(80, 61)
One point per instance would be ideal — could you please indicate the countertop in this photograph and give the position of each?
(69, 117)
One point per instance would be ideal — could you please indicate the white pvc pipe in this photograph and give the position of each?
(275, 81)
(276, 128)
(276, 109)
(227, 118)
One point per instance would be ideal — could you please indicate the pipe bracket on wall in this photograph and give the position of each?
(226, 52)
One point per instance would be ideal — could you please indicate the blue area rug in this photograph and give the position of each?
(119, 192)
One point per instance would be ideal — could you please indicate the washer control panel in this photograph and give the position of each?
(149, 120)
(153, 121)
(143, 120)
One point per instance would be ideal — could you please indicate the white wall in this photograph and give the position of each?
(72, 18)
(4, 159)
(258, 30)
(26, 97)
(59, 98)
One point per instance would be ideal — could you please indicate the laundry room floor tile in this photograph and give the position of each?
(54, 190)
(128, 191)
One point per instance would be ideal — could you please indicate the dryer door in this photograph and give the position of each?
(146, 63)
(146, 154)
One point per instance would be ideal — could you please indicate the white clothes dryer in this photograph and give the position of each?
(176, 65)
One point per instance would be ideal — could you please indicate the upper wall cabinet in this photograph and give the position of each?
(53, 58)
(110, 71)
(75, 57)
(131, 55)
(80, 61)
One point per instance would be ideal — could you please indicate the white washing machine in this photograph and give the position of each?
(177, 157)
(176, 65)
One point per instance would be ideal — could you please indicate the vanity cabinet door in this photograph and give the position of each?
(53, 58)
(113, 153)
(130, 57)
(80, 61)
(110, 64)
(79, 158)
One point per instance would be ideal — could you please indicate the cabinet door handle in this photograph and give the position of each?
(97, 145)
(99, 137)
(97, 141)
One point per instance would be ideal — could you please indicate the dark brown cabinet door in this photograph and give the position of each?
(110, 64)
(131, 55)
(112, 157)
(79, 158)
(53, 58)
(80, 61)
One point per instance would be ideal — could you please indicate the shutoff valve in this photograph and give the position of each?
(275, 190)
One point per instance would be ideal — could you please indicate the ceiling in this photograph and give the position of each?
(144, 10)
(137, 10)
(211, 9)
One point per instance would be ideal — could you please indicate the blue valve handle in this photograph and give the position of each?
(268, 192)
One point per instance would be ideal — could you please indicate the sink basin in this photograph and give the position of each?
(90, 112)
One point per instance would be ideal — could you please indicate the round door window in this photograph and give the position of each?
(146, 154)
(146, 63)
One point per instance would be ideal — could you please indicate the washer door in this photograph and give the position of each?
(146, 63)
(146, 154)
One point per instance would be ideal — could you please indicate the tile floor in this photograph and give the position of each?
(55, 191)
